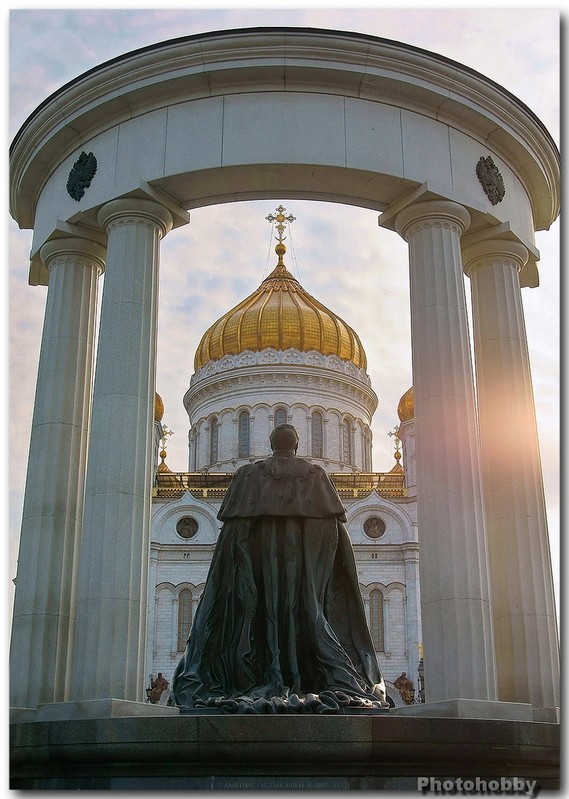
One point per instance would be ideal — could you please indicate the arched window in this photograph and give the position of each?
(184, 617)
(213, 440)
(317, 435)
(367, 449)
(376, 623)
(347, 441)
(280, 416)
(244, 434)
(193, 449)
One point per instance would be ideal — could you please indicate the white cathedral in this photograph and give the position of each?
(281, 356)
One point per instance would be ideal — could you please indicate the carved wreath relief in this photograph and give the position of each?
(81, 175)
(491, 180)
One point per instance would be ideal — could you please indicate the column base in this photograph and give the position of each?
(469, 709)
(22, 714)
(91, 709)
(547, 714)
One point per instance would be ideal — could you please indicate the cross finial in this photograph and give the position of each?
(395, 434)
(281, 219)
(166, 432)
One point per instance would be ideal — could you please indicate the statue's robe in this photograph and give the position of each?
(281, 615)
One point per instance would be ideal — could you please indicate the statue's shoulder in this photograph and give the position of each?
(320, 473)
(248, 470)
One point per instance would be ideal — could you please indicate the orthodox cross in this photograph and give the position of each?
(281, 220)
(165, 434)
(395, 434)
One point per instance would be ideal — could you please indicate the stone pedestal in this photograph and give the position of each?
(279, 752)
(469, 709)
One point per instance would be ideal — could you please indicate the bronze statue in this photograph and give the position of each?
(157, 687)
(281, 627)
(406, 688)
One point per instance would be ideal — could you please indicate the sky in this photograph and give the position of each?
(336, 251)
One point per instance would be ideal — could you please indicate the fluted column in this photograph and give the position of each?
(53, 503)
(525, 629)
(412, 592)
(456, 614)
(113, 574)
(151, 621)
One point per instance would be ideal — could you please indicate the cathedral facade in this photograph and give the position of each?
(280, 356)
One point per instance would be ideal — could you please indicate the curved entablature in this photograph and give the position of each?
(348, 77)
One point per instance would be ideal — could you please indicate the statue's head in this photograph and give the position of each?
(284, 438)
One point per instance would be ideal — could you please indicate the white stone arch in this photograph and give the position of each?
(399, 525)
(366, 591)
(282, 409)
(310, 415)
(262, 406)
(332, 422)
(348, 439)
(359, 442)
(201, 440)
(165, 518)
(166, 587)
(178, 638)
(165, 616)
(298, 418)
(369, 108)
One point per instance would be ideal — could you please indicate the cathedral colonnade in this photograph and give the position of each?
(123, 161)
(522, 592)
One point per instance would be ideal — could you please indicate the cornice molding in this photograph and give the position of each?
(270, 372)
(287, 60)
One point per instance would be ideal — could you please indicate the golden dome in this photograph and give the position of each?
(158, 407)
(280, 314)
(406, 407)
(162, 467)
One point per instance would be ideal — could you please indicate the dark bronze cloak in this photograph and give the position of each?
(281, 620)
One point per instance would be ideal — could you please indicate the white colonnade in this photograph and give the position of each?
(42, 635)
(527, 650)
(113, 568)
(111, 578)
(455, 601)
(146, 128)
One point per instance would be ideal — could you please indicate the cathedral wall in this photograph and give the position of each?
(337, 389)
(382, 565)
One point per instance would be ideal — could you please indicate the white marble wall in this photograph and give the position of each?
(381, 564)
(260, 383)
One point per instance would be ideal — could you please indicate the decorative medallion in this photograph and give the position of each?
(187, 527)
(81, 175)
(491, 180)
(374, 527)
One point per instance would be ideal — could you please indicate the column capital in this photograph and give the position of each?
(75, 245)
(132, 207)
(491, 251)
(432, 212)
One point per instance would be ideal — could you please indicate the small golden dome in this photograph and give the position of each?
(406, 407)
(158, 407)
(280, 314)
